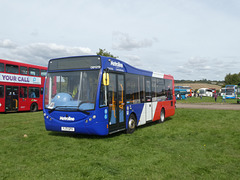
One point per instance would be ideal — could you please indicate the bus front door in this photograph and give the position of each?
(11, 103)
(116, 101)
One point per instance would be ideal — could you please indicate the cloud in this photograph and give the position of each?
(133, 60)
(122, 41)
(40, 53)
(8, 44)
(209, 68)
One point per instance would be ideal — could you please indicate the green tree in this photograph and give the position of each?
(232, 79)
(103, 52)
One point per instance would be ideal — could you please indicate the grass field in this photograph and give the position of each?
(207, 100)
(193, 144)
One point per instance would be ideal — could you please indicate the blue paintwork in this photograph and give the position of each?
(82, 122)
(99, 125)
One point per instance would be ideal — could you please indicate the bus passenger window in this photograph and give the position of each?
(34, 72)
(1, 91)
(23, 70)
(23, 92)
(43, 73)
(1, 67)
(168, 89)
(132, 89)
(148, 96)
(33, 92)
(154, 90)
(160, 90)
(11, 68)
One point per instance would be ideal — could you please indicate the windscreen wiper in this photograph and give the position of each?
(85, 112)
(51, 110)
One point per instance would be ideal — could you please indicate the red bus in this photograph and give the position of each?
(21, 86)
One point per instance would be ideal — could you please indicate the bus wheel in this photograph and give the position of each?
(162, 116)
(131, 124)
(33, 107)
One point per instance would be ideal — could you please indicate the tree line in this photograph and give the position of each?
(232, 79)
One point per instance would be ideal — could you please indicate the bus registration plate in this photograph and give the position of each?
(71, 129)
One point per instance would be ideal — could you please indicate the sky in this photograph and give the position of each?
(189, 39)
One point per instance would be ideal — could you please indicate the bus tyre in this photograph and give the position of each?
(33, 107)
(132, 123)
(162, 116)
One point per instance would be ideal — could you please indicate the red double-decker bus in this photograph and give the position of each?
(21, 86)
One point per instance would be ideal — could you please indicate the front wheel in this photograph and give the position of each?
(132, 123)
(162, 116)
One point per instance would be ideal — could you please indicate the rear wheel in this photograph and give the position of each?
(162, 116)
(33, 107)
(132, 123)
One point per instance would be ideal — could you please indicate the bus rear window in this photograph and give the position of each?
(11, 68)
(34, 72)
(1, 67)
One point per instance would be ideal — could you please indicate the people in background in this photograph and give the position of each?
(223, 98)
(215, 96)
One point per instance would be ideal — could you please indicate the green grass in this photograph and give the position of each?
(207, 100)
(193, 144)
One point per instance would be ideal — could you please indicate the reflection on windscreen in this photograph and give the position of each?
(229, 91)
(71, 90)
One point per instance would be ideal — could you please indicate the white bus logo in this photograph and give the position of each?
(117, 64)
(67, 118)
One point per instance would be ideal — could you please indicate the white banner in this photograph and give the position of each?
(19, 79)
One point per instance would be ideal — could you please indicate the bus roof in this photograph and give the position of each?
(22, 64)
(117, 65)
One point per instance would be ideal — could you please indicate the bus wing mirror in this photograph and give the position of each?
(105, 79)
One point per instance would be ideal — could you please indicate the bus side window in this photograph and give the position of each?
(33, 92)
(1, 91)
(12, 68)
(168, 89)
(34, 72)
(43, 72)
(154, 90)
(132, 89)
(23, 92)
(1, 67)
(160, 89)
(23, 70)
